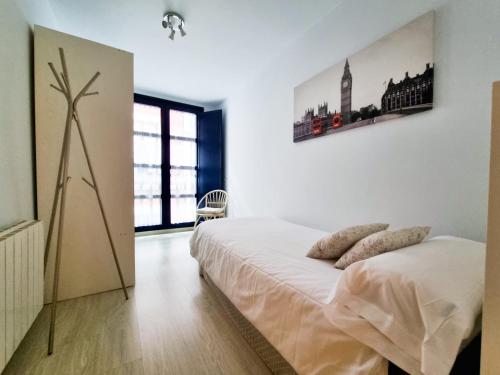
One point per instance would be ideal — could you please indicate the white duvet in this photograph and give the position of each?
(260, 265)
(325, 321)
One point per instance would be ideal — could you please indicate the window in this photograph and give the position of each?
(165, 163)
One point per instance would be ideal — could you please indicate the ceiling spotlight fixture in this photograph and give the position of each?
(174, 22)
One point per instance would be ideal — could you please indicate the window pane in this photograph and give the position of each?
(147, 118)
(147, 212)
(182, 181)
(147, 182)
(182, 153)
(182, 124)
(147, 150)
(182, 210)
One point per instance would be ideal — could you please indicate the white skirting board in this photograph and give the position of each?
(21, 283)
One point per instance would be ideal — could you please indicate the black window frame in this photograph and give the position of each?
(166, 106)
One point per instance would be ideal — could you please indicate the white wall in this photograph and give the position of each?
(16, 106)
(430, 168)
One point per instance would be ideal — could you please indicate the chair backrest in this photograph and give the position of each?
(215, 199)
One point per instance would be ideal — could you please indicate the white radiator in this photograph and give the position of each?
(21, 283)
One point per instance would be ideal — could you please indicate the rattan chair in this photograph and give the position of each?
(211, 206)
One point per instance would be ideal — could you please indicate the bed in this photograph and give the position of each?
(305, 307)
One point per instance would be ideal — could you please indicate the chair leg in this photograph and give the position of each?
(196, 221)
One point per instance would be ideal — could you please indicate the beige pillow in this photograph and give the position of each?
(382, 242)
(334, 245)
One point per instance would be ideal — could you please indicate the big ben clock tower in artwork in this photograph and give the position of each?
(345, 94)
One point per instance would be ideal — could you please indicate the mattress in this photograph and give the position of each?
(260, 265)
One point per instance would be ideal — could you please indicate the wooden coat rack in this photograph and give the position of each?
(63, 86)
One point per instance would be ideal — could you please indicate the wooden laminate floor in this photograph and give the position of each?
(172, 324)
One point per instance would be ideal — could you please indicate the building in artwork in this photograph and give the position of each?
(323, 110)
(346, 93)
(410, 94)
(304, 127)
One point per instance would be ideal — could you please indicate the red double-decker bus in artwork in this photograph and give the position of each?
(321, 124)
(337, 120)
(317, 126)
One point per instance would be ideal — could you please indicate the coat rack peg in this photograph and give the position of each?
(56, 76)
(86, 87)
(88, 183)
(57, 88)
(65, 81)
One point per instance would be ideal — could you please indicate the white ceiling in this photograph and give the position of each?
(227, 42)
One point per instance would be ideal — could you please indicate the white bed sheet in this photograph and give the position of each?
(260, 265)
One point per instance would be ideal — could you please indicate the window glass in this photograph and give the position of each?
(182, 182)
(147, 118)
(147, 212)
(182, 210)
(147, 150)
(182, 153)
(182, 124)
(147, 181)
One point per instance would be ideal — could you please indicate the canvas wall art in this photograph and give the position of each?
(391, 78)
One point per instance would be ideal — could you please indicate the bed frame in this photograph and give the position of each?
(467, 362)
